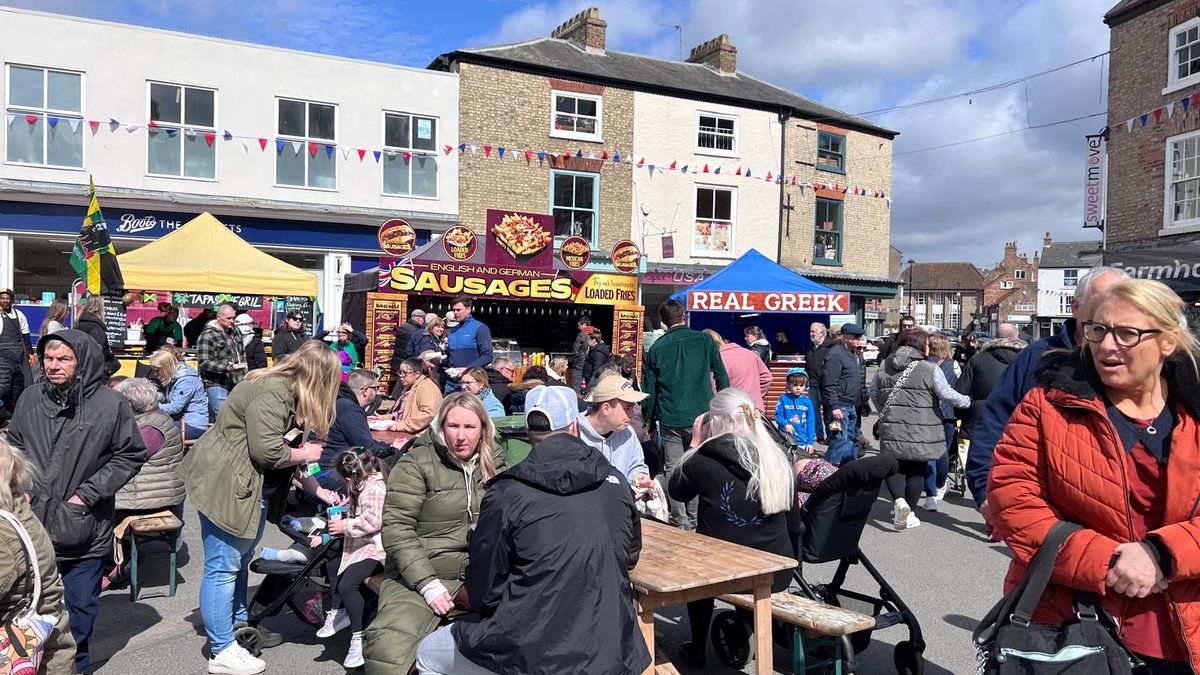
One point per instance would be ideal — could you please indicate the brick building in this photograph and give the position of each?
(1010, 290)
(1062, 265)
(1152, 224)
(945, 295)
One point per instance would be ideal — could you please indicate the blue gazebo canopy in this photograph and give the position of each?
(754, 272)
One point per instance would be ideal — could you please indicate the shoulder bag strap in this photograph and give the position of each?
(31, 554)
(887, 405)
(1040, 569)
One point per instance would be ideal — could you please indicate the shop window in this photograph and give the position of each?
(417, 136)
(575, 203)
(1070, 278)
(1183, 180)
(314, 127)
(1184, 65)
(576, 116)
(831, 152)
(177, 145)
(716, 134)
(713, 232)
(45, 117)
(827, 244)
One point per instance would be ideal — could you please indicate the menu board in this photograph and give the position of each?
(627, 333)
(385, 311)
(304, 305)
(115, 321)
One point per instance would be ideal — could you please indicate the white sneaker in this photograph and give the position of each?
(912, 521)
(234, 660)
(335, 622)
(900, 513)
(941, 493)
(929, 504)
(354, 657)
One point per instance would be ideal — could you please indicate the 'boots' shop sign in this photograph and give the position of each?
(1177, 266)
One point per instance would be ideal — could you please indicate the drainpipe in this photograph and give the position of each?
(784, 116)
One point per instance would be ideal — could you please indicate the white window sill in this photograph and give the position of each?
(714, 254)
(304, 187)
(393, 195)
(1181, 84)
(170, 177)
(1186, 227)
(54, 167)
(587, 138)
(709, 152)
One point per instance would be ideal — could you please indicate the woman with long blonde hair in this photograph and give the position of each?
(432, 504)
(184, 397)
(745, 487)
(259, 436)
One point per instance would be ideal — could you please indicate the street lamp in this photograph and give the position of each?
(908, 309)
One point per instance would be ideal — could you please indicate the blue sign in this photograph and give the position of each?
(32, 218)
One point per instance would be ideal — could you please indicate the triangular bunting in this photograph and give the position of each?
(191, 133)
(209, 138)
(262, 143)
(474, 148)
(578, 154)
(684, 169)
(487, 150)
(641, 162)
(361, 153)
(462, 147)
(74, 124)
(171, 132)
(747, 173)
(500, 152)
(616, 157)
(329, 151)
(407, 157)
(1170, 109)
(651, 167)
(591, 155)
(94, 125)
(672, 166)
(1196, 98)
(1158, 115)
(738, 172)
(1129, 123)
(377, 154)
(278, 145)
(768, 178)
(133, 127)
(1184, 102)
(297, 146)
(113, 124)
(705, 169)
(10, 117)
(345, 152)
(541, 155)
(1144, 118)
(449, 149)
(604, 156)
(245, 144)
(227, 136)
(528, 156)
(52, 121)
(151, 125)
(312, 149)
(718, 170)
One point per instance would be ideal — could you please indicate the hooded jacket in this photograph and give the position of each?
(621, 448)
(557, 536)
(1060, 458)
(186, 398)
(981, 374)
(911, 427)
(82, 442)
(286, 341)
(762, 348)
(597, 358)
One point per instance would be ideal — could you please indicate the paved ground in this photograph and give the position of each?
(945, 570)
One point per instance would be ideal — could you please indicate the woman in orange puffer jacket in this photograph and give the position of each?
(1111, 440)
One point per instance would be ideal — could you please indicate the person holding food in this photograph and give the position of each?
(470, 344)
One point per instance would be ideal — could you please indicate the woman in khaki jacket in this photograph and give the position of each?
(15, 481)
(422, 396)
(225, 471)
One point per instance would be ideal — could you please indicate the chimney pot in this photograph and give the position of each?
(718, 54)
(585, 30)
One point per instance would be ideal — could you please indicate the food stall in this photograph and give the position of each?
(527, 287)
(202, 264)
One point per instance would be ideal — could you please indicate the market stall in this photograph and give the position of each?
(527, 287)
(203, 264)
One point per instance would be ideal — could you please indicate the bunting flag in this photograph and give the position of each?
(500, 151)
(312, 149)
(345, 152)
(278, 145)
(74, 124)
(52, 121)
(616, 157)
(297, 147)
(361, 153)
(209, 138)
(718, 170)
(541, 156)
(449, 149)
(262, 143)
(93, 257)
(672, 166)
(227, 136)
(10, 117)
(738, 172)
(245, 145)
(377, 154)
(684, 169)
(528, 156)
(487, 150)
(94, 125)
(604, 156)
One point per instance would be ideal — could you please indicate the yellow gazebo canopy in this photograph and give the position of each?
(205, 256)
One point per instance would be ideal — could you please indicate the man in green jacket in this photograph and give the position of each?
(680, 368)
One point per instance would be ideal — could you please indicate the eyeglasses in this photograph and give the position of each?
(1124, 336)
(507, 369)
(407, 372)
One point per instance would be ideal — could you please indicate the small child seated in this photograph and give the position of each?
(795, 413)
(810, 472)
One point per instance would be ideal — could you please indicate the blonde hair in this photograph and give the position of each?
(486, 450)
(16, 476)
(478, 374)
(716, 337)
(1163, 306)
(939, 346)
(732, 413)
(165, 361)
(431, 321)
(559, 365)
(313, 372)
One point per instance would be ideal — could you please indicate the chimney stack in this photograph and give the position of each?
(584, 30)
(1046, 240)
(718, 54)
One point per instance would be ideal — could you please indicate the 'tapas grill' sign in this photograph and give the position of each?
(777, 301)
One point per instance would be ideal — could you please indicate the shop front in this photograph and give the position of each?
(661, 280)
(1177, 266)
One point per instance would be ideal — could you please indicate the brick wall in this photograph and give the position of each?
(867, 221)
(511, 109)
(1005, 270)
(1136, 159)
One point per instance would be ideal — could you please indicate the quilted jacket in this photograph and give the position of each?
(1060, 458)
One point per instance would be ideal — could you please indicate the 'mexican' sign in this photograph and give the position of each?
(750, 301)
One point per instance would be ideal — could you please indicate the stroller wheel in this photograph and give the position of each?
(731, 639)
(908, 660)
(250, 639)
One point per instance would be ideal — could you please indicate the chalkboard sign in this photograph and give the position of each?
(302, 304)
(115, 323)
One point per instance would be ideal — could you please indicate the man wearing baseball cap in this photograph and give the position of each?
(842, 389)
(550, 556)
(605, 427)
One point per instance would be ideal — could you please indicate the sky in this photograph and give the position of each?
(960, 202)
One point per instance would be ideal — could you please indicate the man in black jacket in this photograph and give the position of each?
(579, 352)
(842, 392)
(83, 442)
(416, 322)
(814, 365)
(907, 322)
(983, 371)
(350, 426)
(548, 577)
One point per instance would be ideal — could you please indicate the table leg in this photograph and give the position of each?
(764, 654)
(646, 623)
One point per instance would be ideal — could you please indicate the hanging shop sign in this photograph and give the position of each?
(397, 237)
(673, 278)
(186, 299)
(1177, 266)
(1096, 164)
(519, 238)
(508, 282)
(459, 243)
(575, 252)
(626, 256)
(749, 301)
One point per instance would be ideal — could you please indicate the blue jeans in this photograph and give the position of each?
(939, 468)
(216, 400)
(814, 395)
(223, 588)
(191, 433)
(843, 445)
(81, 590)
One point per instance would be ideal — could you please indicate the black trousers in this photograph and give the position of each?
(81, 586)
(345, 588)
(909, 481)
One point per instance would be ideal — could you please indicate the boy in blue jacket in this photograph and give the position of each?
(795, 413)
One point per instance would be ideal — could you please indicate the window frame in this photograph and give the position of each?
(44, 112)
(1170, 226)
(1018, 274)
(594, 240)
(718, 152)
(839, 229)
(733, 220)
(841, 168)
(598, 136)
(1064, 304)
(1174, 82)
(305, 141)
(1006, 285)
(396, 150)
(182, 126)
(1073, 281)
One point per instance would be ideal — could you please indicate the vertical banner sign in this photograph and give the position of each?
(627, 333)
(115, 318)
(385, 311)
(1094, 180)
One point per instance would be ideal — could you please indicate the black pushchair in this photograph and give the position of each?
(833, 521)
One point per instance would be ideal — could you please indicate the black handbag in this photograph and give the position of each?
(1008, 642)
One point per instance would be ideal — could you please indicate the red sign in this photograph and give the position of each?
(397, 237)
(523, 238)
(459, 242)
(575, 252)
(626, 256)
(774, 301)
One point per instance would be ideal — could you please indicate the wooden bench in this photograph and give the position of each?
(812, 618)
(662, 665)
(163, 528)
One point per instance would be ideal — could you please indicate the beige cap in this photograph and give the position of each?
(614, 387)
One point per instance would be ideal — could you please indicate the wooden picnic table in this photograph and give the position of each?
(387, 436)
(677, 567)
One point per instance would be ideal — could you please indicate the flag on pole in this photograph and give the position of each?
(93, 256)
